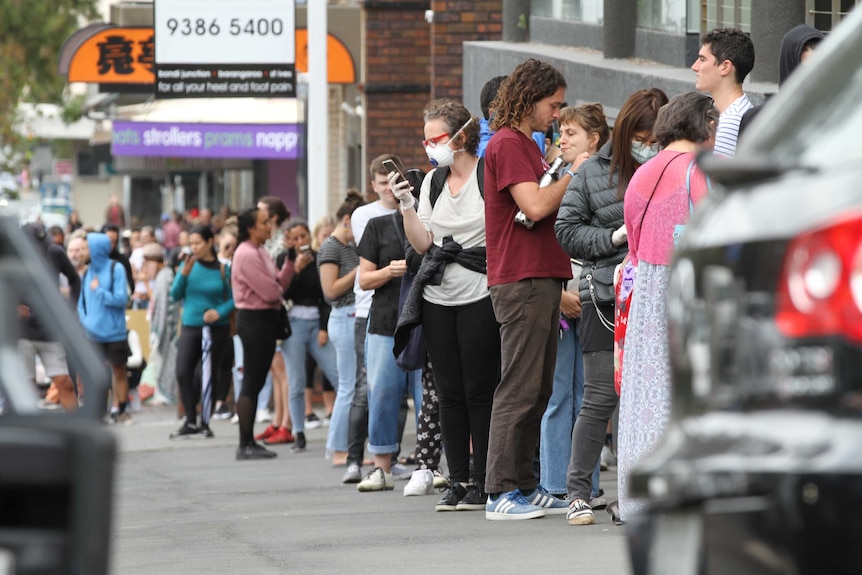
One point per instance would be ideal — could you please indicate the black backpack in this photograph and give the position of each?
(439, 178)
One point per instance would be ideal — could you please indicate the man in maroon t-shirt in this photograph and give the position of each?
(526, 268)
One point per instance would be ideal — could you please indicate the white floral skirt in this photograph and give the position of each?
(646, 394)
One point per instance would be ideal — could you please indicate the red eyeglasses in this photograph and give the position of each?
(432, 142)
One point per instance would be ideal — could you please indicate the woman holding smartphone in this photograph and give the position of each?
(461, 332)
(309, 316)
(203, 284)
(257, 288)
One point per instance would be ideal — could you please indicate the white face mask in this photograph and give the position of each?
(442, 156)
(643, 153)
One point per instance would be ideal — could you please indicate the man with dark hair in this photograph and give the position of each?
(489, 92)
(113, 233)
(526, 270)
(725, 58)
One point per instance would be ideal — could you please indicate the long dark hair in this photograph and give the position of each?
(638, 114)
(246, 220)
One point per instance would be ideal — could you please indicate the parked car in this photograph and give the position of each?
(760, 470)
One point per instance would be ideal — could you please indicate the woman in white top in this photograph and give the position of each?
(461, 332)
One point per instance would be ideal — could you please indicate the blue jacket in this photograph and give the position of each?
(103, 310)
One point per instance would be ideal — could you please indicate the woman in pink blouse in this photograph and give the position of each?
(257, 287)
(658, 198)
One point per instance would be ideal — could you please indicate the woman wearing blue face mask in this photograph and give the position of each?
(590, 228)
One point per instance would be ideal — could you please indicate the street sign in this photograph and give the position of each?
(64, 168)
(229, 48)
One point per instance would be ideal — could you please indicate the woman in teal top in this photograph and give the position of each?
(203, 284)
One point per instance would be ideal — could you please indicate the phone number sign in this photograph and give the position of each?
(225, 48)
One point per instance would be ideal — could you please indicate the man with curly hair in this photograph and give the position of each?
(526, 269)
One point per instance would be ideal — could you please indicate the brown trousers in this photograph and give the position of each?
(528, 312)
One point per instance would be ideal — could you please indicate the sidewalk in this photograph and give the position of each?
(183, 506)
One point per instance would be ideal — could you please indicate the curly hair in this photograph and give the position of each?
(527, 84)
(732, 44)
(590, 117)
(454, 115)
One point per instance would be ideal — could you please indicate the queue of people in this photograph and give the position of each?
(502, 257)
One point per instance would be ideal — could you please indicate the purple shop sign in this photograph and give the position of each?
(257, 141)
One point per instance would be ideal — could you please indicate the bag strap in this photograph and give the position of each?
(666, 166)
(223, 281)
(440, 175)
(400, 231)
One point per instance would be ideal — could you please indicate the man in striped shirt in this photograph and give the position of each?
(725, 58)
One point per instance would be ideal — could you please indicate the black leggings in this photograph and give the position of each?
(189, 358)
(464, 347)
(256, 330)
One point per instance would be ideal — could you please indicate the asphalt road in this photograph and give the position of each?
(189, 507)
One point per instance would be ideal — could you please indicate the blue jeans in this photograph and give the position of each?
(387, 384)
(342, 321)
(304, 338)
(555, 448)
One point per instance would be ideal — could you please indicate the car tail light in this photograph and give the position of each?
(820, 291)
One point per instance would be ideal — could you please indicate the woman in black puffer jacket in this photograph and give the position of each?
(590, 228)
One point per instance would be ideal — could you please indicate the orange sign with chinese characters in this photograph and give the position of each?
(115, 56)
(126, 56)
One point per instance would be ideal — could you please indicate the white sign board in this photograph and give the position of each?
(225, 31)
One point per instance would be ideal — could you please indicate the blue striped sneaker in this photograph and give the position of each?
(511, 506)
(552, 505)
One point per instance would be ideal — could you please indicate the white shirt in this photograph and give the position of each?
(358, 221)
(461, 216)
(728, 127)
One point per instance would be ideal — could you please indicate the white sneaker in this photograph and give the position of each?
(440, 480)
(376, 480)
(421, 483)
(235, 418)
(400, 472)
(263, 416)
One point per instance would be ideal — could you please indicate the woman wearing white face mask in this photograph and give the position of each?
(461, 332)
(590, 228)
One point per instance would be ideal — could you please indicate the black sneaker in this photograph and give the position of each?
(453, 495)
(206, 432)
(254, 451)
(312, 421)
(474, 500)
(299, 444)
(186, 431)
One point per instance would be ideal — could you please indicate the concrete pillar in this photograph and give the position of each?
(770, 20)
(516, 20)
(620, 25)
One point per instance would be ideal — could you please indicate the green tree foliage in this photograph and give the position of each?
(31, 35)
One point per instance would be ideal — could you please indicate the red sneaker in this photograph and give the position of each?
(267, 433)
(283, 435)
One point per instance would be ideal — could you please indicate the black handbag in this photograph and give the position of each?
(282, 324)
(601, 285)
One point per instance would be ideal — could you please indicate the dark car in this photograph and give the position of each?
(760, 470)
(56, 469)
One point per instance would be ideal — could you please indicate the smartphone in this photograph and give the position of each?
(391, 167)
(306, 249)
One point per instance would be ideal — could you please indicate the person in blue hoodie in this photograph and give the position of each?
(102, 311)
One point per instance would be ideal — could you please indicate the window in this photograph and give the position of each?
(664, 15)
(725, 13)
(588, 11)
(826, 14)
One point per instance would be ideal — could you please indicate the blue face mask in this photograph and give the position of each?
(643, 153)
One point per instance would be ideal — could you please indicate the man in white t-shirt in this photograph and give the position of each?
(386, 204)
(725, 58)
